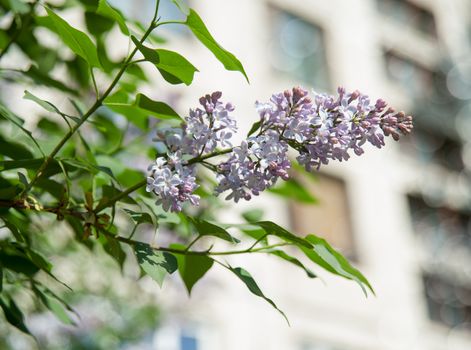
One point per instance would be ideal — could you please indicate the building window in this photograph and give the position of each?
(430, 146)
(407, 13)
(298, 49)
(415, 79)
(188, 342)
(330, 218)
(447, 302)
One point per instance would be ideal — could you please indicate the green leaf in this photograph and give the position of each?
(18, 122)
(206, 228)
(253, 215)
(139, 218)
(13, 314)
(19, 6)
(245, 277)
(199, 29)
(55, 305)
(273, 229)
(154, 263)
(48, 106)
(158, 109)
(192, 267)
(14, 150)
(327, 257)
(254, 127)
(293, 189)
(114, 249)
(281, 254)
(106, 10)
(76, 40)
(182, 6)
(174, 67)
(97, 25)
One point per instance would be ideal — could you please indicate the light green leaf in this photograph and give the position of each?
(327, 257)
(182, 6)
(281, 254)
(19, 6)
(293, 189)
(48, 106)
(192, 267)
(54, 305)
(76, 40)
(199, 29)
(154, 263)
(106, 10)
(245, 277)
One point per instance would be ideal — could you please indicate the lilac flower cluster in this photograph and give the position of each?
(172, 178)
(321, 128)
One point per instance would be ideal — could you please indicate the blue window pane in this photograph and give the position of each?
(298, 50)
(188, 342)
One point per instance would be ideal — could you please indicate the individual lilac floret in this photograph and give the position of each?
(173, 183)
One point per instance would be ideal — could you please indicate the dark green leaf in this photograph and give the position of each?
(76, 40)
(158, 109)
(139, 218)
(245, 277)
(327, 257)
(154, 263)
(254, 127)
(13, 314)
(114, 249)
(97, 24)
(106, 10)
(206, 228)
(14, 150)
(192, 267)
(199, 29)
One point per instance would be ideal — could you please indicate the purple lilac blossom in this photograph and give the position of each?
(321, 128)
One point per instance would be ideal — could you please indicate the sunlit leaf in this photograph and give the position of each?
(154, 263)
(76, 40)
(199, 29)
(253, 287)
(327, 257)
(192, 267)
(106, 10)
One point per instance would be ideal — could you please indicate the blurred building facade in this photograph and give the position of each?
(403, 214)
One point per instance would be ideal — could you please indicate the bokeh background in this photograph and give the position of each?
(402, 214)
